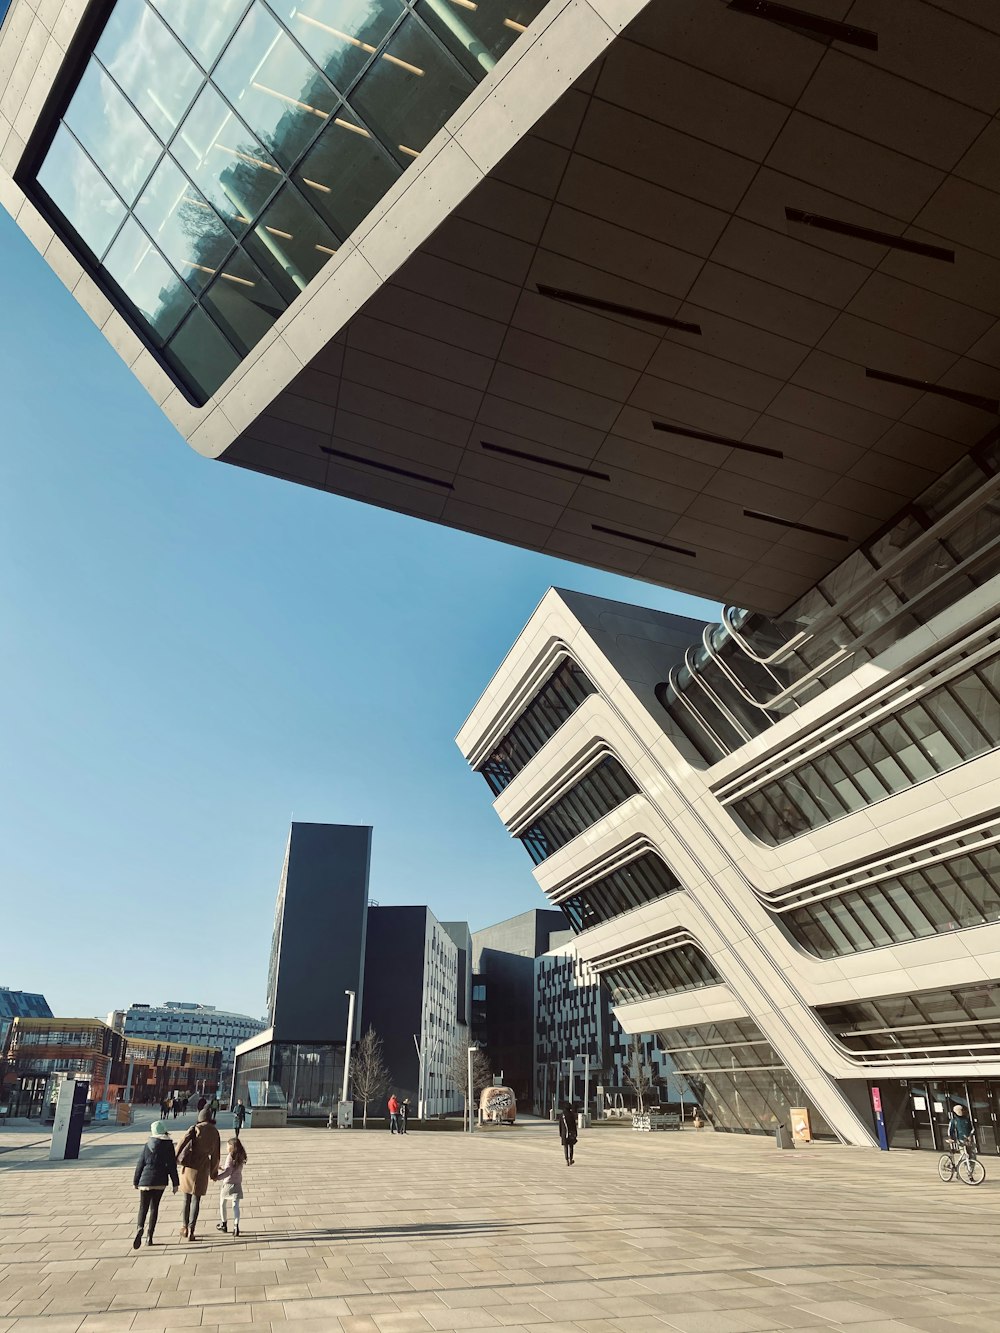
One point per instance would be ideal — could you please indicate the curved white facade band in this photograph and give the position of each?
(802, 901)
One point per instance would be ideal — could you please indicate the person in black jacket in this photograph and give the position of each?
(156, 1167)
(568, 1131)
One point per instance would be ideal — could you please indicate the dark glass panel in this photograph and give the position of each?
(478, 34)
(410, 91)
(346, 173)
(243, 302)
(291, 243)
(201, 354)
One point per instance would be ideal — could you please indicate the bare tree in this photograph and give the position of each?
(637, 1075)
(368, 1072)
(457, 1073)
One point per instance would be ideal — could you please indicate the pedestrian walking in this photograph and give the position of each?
(404, 1115)
(200, 1105)
(214, 1106)
(175, 1106)
(568, 1131)
(198, 1159)
(239, 1116)
(231, 1176)
(164, 1107)
(184, 1105)
(155, 1169)
(393, 1105)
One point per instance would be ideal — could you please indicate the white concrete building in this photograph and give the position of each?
(779, 840)
(695, 290)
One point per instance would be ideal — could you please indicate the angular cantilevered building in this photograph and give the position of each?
(701, 291)
(778, 838)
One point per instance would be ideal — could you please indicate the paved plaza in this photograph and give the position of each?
(365, 1233)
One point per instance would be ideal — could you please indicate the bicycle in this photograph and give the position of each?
(969, 1169)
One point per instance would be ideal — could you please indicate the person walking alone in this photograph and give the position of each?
(404, 1115)
(239, 1116)
(232, 1177)
(198, 1159)
(568, 1131)
(960, 1130)
(393, 1105)
(155, 1169)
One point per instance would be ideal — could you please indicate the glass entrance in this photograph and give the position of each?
(917, 1112)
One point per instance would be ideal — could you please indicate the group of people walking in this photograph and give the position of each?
(190, 1168)
(177, 1105)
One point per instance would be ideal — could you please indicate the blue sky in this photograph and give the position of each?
(191, 655)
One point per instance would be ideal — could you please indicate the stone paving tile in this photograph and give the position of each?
(342, 1236)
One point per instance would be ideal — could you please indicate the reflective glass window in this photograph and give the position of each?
(199, 351)
(116, 138)
(410, 91)
(345, 173)
(243, 302)
(81, 192)
(291, 243)
(234, 170)
(202, 25)
(478, 34)
(184, 225)
(342, 36)
(277, 90)
(148, 280)
(149, 65)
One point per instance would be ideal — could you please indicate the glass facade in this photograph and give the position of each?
(643, 880)
(560, 696)
(682, 968)
(739, 1079)
(931, 1025)
(753, 670)
(310, 1074)
(945, 727)
(212, 157)
(597, 793)
(921, 893)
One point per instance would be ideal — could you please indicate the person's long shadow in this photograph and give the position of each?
(400, 1231)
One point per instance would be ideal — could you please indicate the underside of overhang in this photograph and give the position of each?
(728, 308)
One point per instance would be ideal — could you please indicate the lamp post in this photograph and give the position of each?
(349, 1043)
(571, 1061)
(586, 1088)
(471, 1122)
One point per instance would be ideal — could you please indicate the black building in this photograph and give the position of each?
(317, 954)
(503, 993)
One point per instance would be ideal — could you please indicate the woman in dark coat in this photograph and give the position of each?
(198, 1157)
(156, 1167)
(567, 1131)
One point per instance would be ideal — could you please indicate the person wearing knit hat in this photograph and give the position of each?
(155, 1169)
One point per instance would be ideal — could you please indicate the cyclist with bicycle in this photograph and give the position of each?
(960, 1131)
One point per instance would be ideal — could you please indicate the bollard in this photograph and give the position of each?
(782, 1137)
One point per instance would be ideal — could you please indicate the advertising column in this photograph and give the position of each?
(68, 1125)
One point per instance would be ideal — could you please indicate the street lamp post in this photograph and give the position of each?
(571, 1061)
(471, 1123)
(349, 1043)
(586, 1087)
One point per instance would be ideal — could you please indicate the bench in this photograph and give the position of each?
(650, 1121)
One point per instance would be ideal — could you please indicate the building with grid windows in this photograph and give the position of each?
(778, 838)
(702, 291)
(192, 1025)
(581, 1050)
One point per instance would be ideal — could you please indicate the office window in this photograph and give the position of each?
(597, 793)
(560, 697)
(213, 156)
(643, 880)
(679, 969)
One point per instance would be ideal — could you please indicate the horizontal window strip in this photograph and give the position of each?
(641, 881)
(596, 794)
(683, 968)
(560, 697)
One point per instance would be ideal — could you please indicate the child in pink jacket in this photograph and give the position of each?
(231, 1176)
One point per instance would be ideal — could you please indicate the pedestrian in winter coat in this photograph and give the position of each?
(568, 1131)
(214, 1106)
(155, 1169)
(239, 1116)
(164, 1107)
(198, 1159)
(393, 1105)
(232, 1188)
(200, 1104)
(404, 1115)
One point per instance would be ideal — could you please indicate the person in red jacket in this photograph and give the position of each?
(393, 1113)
